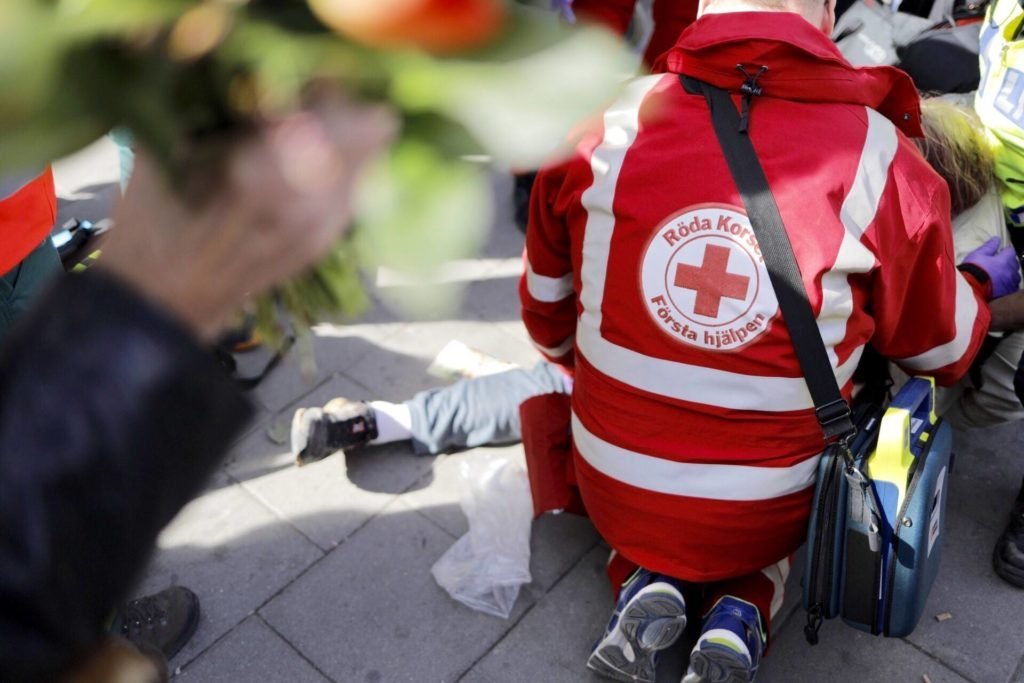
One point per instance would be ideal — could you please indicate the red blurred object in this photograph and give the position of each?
(437, 26)
(547, 444)
(26, 218)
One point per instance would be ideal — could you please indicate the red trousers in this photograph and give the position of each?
(26, 218)
(548, 447)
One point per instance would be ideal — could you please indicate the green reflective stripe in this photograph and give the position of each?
(726, 642)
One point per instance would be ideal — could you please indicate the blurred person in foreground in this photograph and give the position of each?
(114, 412)
(29, 260)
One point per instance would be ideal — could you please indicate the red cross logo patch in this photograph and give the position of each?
(704, 280)
(712, 281)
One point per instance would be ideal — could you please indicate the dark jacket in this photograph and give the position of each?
(111, 418)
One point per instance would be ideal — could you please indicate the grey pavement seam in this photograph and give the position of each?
(256, 610)
(941, 662)
(295, 649)
(183, 667)
(282, 589)
(259, 499)
(526, 611)
(284, 519)
(256, 499)
(1018, 674)
(434, 522)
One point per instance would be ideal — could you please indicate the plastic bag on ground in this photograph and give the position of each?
(486, 567)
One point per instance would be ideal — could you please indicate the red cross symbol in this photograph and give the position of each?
(712, 281)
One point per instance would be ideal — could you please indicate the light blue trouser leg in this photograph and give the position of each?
(478, 412)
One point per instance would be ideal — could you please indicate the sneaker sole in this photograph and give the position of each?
(717, 664)
(651, 621)
(299, 437)
(305, 424)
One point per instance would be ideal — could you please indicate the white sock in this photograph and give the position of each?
(394, 421)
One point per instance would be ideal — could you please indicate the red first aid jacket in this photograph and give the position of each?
(695, 441)
(27, 216)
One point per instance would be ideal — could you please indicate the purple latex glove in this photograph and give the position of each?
(1000, 265)
(564, 8)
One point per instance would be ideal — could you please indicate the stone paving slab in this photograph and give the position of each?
(845, 655)
(257, 454)
(335, 348)
(321, 499)
(984, 640)
(233, 553)
(552, 642)
(251, 652)
(987, 474)
(259, 421)
(371, 611)
(556, 541)
(398, 369)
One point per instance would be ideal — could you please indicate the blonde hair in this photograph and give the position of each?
(954, 145)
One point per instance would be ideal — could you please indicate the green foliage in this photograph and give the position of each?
(186, 76)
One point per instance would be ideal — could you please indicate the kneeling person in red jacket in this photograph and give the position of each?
(695, 442)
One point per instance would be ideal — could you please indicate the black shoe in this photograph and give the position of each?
(1008, 558)
(164, 621)
(339, 425)
(521, 188)
(241, 338)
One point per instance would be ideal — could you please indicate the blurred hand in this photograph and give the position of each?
(1001, 265)
(285, 198)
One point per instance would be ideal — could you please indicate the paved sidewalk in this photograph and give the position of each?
(323, 573)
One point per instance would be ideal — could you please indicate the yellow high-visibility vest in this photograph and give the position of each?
(1000, 99)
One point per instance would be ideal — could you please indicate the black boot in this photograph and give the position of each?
(1008, 558)
(163, 621)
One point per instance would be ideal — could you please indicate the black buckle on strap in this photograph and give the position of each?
(835, 421)
(750, 89)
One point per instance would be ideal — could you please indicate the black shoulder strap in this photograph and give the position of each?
(831, 408)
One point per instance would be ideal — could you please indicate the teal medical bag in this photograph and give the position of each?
(875, 537)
